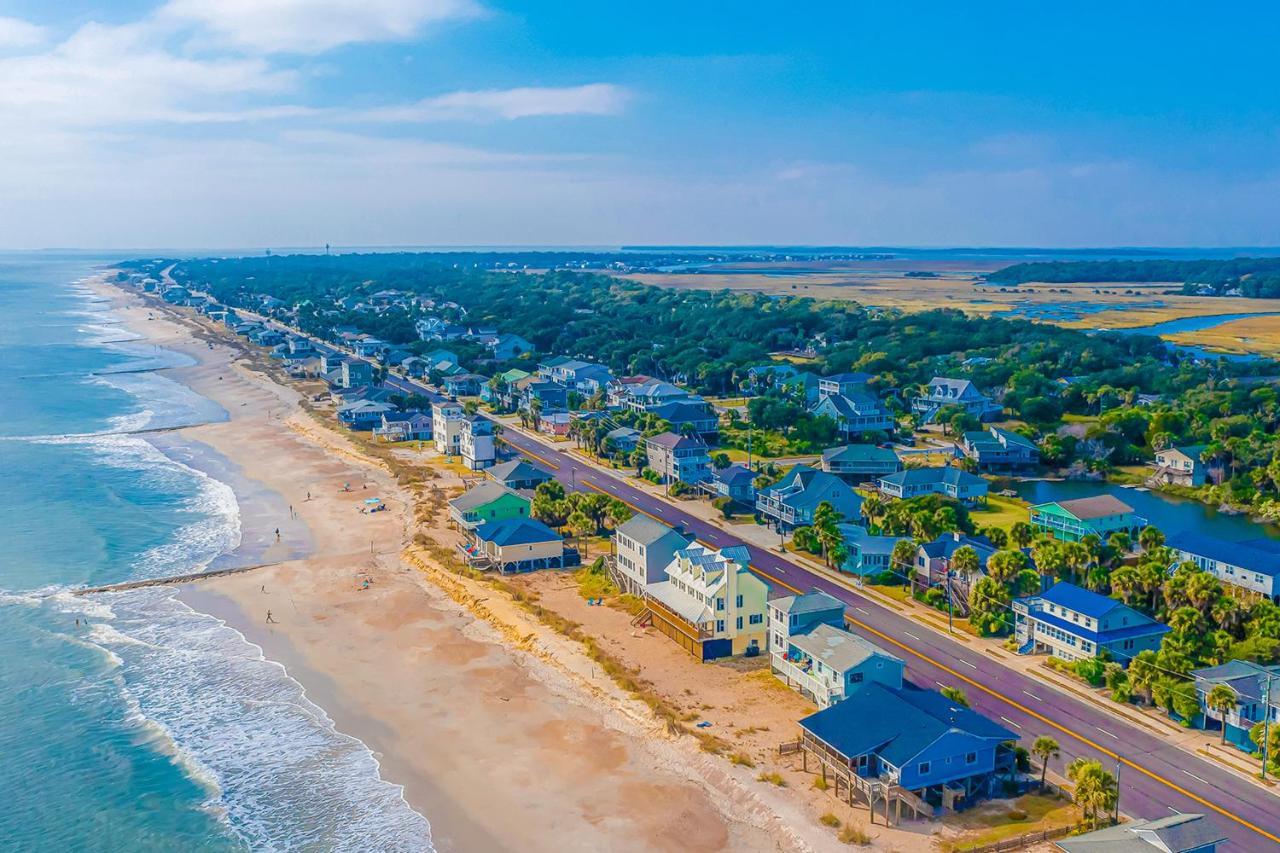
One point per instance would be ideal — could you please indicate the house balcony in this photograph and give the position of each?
(795, 674)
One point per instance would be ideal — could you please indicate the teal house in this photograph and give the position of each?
(1072, 520)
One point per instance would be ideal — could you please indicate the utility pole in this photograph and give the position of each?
(1266, 726)
(748, 446)
(1116, 817)
(950, 620)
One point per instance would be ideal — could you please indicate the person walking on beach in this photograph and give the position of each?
(277, 534)
(270, 621)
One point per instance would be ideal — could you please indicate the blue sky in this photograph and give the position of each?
(455, 122)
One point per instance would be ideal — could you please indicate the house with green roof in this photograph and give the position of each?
(998, 449)
(857, 463)
(1073, 520)
(485, 502)
(1180, 466)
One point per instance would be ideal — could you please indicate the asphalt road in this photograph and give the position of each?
(1156, 778)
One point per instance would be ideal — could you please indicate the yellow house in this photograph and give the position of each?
(711, 603)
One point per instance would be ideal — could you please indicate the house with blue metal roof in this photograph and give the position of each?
(1252, 565)
(908, 746)
(1257, 691)
(954, 483)
(1071, 623)
(791, 501)
(518, 545)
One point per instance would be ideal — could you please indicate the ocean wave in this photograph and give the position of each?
(279, 773)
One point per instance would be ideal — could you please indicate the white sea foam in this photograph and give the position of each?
(278, 772)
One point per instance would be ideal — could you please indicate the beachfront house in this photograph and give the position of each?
(1257, 693)
(907, 747)
(356, 373)
(857, 463)
(1176, 833)
(711, 603)
(735, 482)
(856, 412)
(1071, 623)
(475, 442)
(792, 501)
(682, 458)
(518, 545)
(642, 550)
(950, 482)
(518, 475)
(1072, 520)
(446, 427)
(812, 653)
(404, 426)
(942, 393)
(1000, 450)
(1180, 466)
(363, 414)
(1252, 565)
(485, 502)
(869, 554)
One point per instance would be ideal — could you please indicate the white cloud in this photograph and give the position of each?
(312, 26)
(524, 102)
(15, 32)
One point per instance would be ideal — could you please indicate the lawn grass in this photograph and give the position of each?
(991, 823)
(999, 512)
(897, 593)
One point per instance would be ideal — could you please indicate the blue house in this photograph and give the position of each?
(869, 554)
(1257, 690)
(954, 483)
(791, 501)
(1070, 622)
(1252, 565)
(736, 482)
(908, 746)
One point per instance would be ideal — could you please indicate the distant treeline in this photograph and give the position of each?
(1255, 277)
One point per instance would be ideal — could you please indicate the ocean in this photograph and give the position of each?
(129, 721)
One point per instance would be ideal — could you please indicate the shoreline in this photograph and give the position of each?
(498, 748)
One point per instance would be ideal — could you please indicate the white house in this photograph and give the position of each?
(643, 548)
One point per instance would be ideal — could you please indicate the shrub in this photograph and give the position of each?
(1016, 814)
(1091, 670)
(854, 834)
(741, 759)
(822, 784)
(829, 819)
(774, 778)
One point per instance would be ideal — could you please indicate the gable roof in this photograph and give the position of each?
(859, 453)
(897, 724)
(671, 441)
(646, 530)
(735, 473)
(814, 601)
(1178, 833)
(516, 531)
(848, 378)
(517, 469)
(803, 487)
(926, 476)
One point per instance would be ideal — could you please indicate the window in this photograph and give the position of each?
(738, 602)
(971, 758)
(739, 623)
(719, 604)
(756, 618)
(719, 626)
(923, 769)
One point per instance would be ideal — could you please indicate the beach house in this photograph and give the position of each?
(622, 439)
(856, 411)
(508, 346)
(1000, 450)
(1257, 694)
(735, 482)
(711, 603)
(950, 482)
(1180, 466)
(356, 373)
(485, 502)
(1070, 622)
(907, 747)
(682, 458)
(642, 550)
(1252, 565)
(475, 442)
(641, 393)
(869, 554)
(1181, 832)
(518, 475)
(363, 414)
(792, 501)
(1072, 520)
(857, 463)
(942, 392)
(518, 545)
(812, 653)
(934, 559)
(404, 426)
(446, 427)
(463, 384)
(690, 415)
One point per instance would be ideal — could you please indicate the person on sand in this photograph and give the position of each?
(277, 534)
(269, 619)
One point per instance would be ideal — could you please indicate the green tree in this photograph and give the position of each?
(955, 694)
(989, 604)
(1021, 534)
(1096, 792)
(1045, 748)
(1004, 567)
(1223, 699)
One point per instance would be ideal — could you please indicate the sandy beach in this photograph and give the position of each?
(504, 734)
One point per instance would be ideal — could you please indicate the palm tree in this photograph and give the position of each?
(965, 562)
(1150, 538)
(1096, 791)
(873, 508)
(1046, 748)
(1005, 566)
(1021, 534)
(1223, 700)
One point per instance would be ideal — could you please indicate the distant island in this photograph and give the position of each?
(1251, 277)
